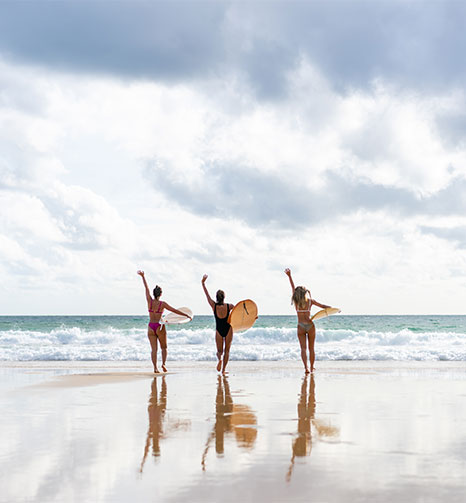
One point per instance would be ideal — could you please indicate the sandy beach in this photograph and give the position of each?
(356, 431)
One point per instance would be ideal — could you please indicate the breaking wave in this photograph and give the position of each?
(261, 343)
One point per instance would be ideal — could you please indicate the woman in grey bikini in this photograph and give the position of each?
(303, 302)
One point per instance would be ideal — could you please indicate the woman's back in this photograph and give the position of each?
(304, 311)
(155, 310)
(222, 310)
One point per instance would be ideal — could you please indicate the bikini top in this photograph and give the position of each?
(158, 308)
(308, 310)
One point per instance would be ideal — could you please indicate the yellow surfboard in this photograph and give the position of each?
(328, 311)
(243, 315)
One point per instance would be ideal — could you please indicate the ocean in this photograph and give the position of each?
(340, 337)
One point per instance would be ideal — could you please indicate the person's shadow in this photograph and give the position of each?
(230, 418)
(302, 442)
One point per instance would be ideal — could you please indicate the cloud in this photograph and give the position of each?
(87, 220)
(452, 127)
(451, 234)
(15, 260)
(413, 44)
(234, 192)
(269, 199)
(314, 157)
(337, 186)
(352, 195)
(147, 39)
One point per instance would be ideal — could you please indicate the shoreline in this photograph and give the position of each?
(78, 373)
(323, 364)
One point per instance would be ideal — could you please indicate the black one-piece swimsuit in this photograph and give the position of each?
(222, 325)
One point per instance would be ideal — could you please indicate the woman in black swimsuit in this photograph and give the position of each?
(224, 331)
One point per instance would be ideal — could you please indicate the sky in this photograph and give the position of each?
(232, 139)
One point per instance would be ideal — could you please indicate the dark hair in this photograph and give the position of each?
(157, 292)
(220, 296)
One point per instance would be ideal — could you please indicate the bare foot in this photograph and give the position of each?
(306, 371)
(164, 368)
(224, 372)
(219, 365)
(156, 370)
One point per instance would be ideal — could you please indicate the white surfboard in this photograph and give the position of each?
(175, 319)
(328, 311)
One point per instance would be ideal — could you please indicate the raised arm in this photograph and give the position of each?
(176, 311)
(209, 299)
(318, 304)
(288, 273)
(148, 297)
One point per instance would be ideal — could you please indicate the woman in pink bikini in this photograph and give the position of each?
(156, 330)
(303, 302)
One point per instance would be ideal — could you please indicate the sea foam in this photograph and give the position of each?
(259, 343)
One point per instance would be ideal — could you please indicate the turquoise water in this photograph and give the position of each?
(115, 338)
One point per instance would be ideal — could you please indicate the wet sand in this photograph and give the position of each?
(114, 432)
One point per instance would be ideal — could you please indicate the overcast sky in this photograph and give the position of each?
(233, 139)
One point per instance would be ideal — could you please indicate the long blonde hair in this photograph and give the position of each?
(301, 297)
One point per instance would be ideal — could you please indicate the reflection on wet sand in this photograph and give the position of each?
(302, 443)
(156, 409)
(230, 418)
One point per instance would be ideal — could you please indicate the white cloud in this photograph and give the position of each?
(393, 139)
(80, 209)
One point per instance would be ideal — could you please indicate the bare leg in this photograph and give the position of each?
(153, 347)
(226, 356)
(162, 336)
(302, 344)
(219, 343)
(312, 340)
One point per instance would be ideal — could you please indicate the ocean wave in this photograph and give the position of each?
(259, 343)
